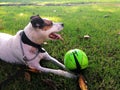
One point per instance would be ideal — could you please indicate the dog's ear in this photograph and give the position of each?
(37, 21)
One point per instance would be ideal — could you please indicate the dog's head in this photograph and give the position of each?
(46, 28)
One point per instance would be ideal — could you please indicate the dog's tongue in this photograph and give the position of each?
(55, 36)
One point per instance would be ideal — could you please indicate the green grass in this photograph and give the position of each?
(100, 21)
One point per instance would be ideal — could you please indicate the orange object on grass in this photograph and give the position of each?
(82, 83)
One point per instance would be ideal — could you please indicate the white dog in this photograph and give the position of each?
(25, 46)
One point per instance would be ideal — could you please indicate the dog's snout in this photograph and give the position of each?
(62, 24)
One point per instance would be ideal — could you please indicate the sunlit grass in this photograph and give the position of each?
(100, 22)
(55, 19)
(102, 9)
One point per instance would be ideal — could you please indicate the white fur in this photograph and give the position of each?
(10, 49)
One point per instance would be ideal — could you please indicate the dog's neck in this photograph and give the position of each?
(32, 34)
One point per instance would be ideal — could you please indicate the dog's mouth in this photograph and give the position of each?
(55, 36)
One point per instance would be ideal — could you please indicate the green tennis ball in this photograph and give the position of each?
(75, 60)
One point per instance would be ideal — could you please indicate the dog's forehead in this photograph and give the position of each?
(47, 21)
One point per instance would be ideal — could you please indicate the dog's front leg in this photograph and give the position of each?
(55, 61)
(57, 72)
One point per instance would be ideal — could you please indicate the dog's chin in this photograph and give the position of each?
(55, 36)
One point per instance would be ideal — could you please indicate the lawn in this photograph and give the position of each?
(101, 21)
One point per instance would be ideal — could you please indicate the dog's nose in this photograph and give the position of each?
(62, 24)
